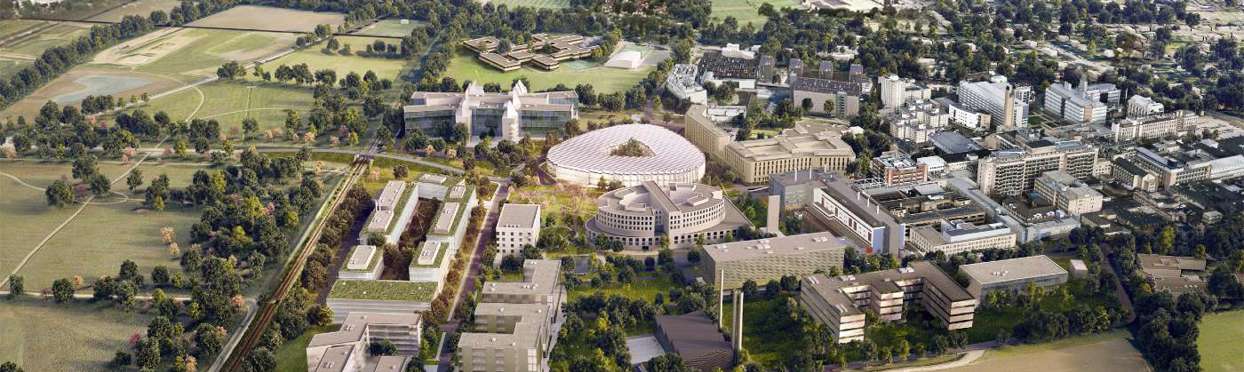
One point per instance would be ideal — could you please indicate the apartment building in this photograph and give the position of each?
(1067, 193)
(998, 98)
(896, 168)
(1012, 275)
(768, 259)
(1154, 126)
(916, 121)
(508, 116)
(839, 302)
(954, 237)
(518, 225)
(1025, 155)
(804, 147)
(897, 92)
(1087, 104)
(515, 322)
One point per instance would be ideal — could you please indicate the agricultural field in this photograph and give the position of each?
(228, 102)
(1219, 341)
(465, 66)
(43, 336)
(92, 242)
(73, 86)
(316, 59)
(1107, 352)
(23, 41)
(141, 8)
(75, 10)
(389, 28)
(538, 4)
(262, 18)
(747, 10)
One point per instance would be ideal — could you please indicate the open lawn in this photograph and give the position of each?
(747, 10)
(141, 8)
(646, 286)
(316, 59)
(1221, 341)
(389, 27)
(250, 17)
(1107, 352)
(231, 101)
(97, 240)
(559, 199)
(539, 4)
(23, 41)
(192, 54)
(44, 336)
(292, 356)
(464, 66)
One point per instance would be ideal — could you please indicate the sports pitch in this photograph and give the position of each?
(41, 335)
(538, 4)
(251, 17)
(747, 10)
(95, 240)
(603, 79)
(1220, 341)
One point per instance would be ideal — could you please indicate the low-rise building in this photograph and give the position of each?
(364, 262)
(1140, 106)
(1068, 193)
(683, 82)
(1012, 275)
(829, 92)
(644, 215)
(518, 225)
(958, 237)
(345, 350)
(767, 259)
(509, 116)
(515, 322)
(395, 207)
(804, 147)
(839, 301)
(720, 69)
(696, 339)
(1174, 274)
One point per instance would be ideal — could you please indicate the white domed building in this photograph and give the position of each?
(656, 154)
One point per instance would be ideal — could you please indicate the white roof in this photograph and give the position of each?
(361, 257)
(672, 154)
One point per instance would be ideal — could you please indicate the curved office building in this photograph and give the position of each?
(664, 157)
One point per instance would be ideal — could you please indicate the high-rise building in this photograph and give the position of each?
(839, 302)
(1025, 155)
(1087, 104)
(518, 225)
(996, 97)
(896, 91)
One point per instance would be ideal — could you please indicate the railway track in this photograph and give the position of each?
(268, 306)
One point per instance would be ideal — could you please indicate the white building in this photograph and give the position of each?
(646, 215)
(1087, 105)
(915, 121)
(1140, 106)
(1012, 275)
(959, 237)
(365, 262)
(682, 83)
(996, 97)
(517, 226)
(896, 91)
(345, 350)
(587, 159)
(967, 117)
(395, 207)
(1154, 126)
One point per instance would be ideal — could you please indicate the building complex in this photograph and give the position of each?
(827, 91)
(806, 146)
(649, 214)
(507, 116)
(515, 322)
(768, 259)
(542, 50)
(1003, 101)
(840, 302)
(1024, 155)
(1087, 104)
(345, 350)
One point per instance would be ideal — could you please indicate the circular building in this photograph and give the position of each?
(631, 154)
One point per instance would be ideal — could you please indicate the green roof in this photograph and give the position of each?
(383, 290)
(462, 210)
(440, 255)
(397, 209)
(376, 256)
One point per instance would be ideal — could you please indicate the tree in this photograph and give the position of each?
(382, 347)
(62, 290)
(250, 126)
(59, 194)
(134, 179)
(147, 354)
(84, 167)
(400, 171)
(17, 286)
(120, 359)
(100, 185)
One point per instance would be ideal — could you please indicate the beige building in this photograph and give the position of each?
(767, 259)
(1068, 193)
(1021, 158)
(641, 216)
(346, 349)
(959, 237)
(514, 322)
(840, 302)
(1012, 275)
(1156, 126)
(804, 147)
(704, 133)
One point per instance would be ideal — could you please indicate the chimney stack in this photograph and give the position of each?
(736, 336)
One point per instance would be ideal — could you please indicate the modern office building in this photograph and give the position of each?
(506, 116)
(641, 216)
(395, 207)
(896, 91)
(1012, 275)
(856, 215)
(804, 147)
(1140, 106)
(829, 92)
(1067, 193)
(996, 97)
(916, 121)
(544, 51)
(840, 302)
(1087, 104)
(364, 262)
(958, 237)
(683, 82)
(965, 116)
(705, 132)
(1155, 126)
(896, 168)
(696, 339)
(768, 259)
(794, 189)
(664, 157)
(1025, 155)
(517, 226)
(345, 350)
(514, 322)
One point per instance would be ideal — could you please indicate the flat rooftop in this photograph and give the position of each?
(523, 216)
(884, 281)
(539, 277)
(1157, 262)
(777, 246)
(1003, 271)
(362, 257)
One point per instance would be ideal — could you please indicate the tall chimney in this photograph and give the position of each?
(721, 299)
(736, 337)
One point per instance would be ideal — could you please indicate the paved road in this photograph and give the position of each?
(972, 352)
(467, 286)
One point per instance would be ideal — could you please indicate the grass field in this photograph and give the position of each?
(1220, 341)
(191, 54)
(747, 10)
(43, 336)
(23, 41)
(231, 101)
(389, 27)
(538, 4)
(98, 239)
(764, 341)
(465, 66)
(559, 199)
(292, 356)
(1107, 352)
(646, 286)
(317, 59)
(250, 17)
(142, 8)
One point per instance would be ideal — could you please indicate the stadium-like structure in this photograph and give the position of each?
(588, 158)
